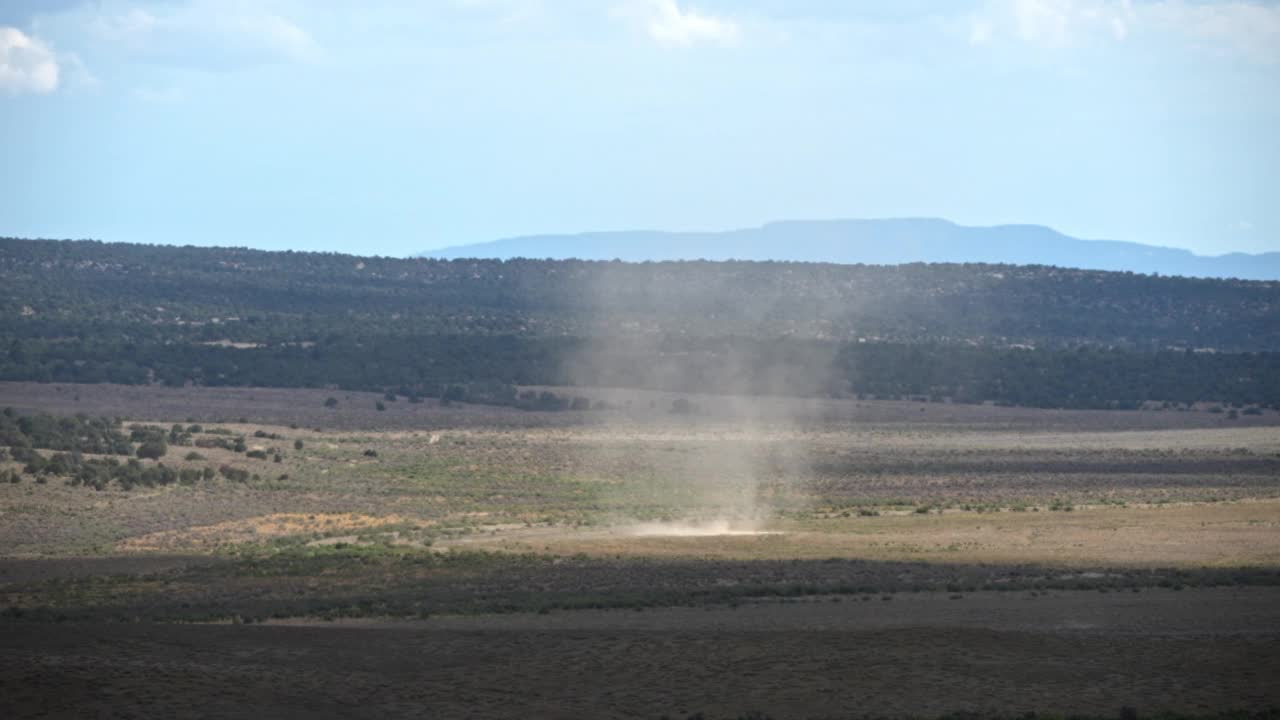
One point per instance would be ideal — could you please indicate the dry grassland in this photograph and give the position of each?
(480, 562)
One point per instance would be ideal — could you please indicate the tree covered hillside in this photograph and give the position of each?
(86, 311)
(255, 296)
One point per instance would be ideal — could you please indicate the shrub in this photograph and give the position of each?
(233, 473)
(331, 402)
(380, 406)
(152, 449)
(193, 456)
(146, 433)
(297, 444)
(257, 454)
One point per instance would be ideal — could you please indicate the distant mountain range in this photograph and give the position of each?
(879, 242)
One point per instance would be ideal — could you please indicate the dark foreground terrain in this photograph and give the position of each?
(1195, 652)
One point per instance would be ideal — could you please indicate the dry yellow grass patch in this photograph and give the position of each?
(1217, 534)
(262, 527)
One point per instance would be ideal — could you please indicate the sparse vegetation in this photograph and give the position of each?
(486, 524)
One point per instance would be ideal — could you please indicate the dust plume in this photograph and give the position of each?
(709, 437)
(713, 528)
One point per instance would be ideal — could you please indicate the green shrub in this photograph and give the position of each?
(233, 473)
(152, 449)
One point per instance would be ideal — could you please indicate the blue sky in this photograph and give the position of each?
(391, 127)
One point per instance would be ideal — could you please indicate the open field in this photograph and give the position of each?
(356, 410)
(794, 558)
(1186, 535)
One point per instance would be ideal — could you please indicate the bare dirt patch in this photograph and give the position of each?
(255, 529)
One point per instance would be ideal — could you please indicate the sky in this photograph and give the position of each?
(390, 127)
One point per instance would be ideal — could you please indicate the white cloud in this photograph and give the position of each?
(1247, 27)
(203, 33)
(26, 63)
(670, 26)
(1052, 23)
(1046, 22)
(75, 75)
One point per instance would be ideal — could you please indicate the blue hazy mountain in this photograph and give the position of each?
(878, 242)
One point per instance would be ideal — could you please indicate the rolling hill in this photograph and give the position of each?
(480, 330)
(878, 242)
